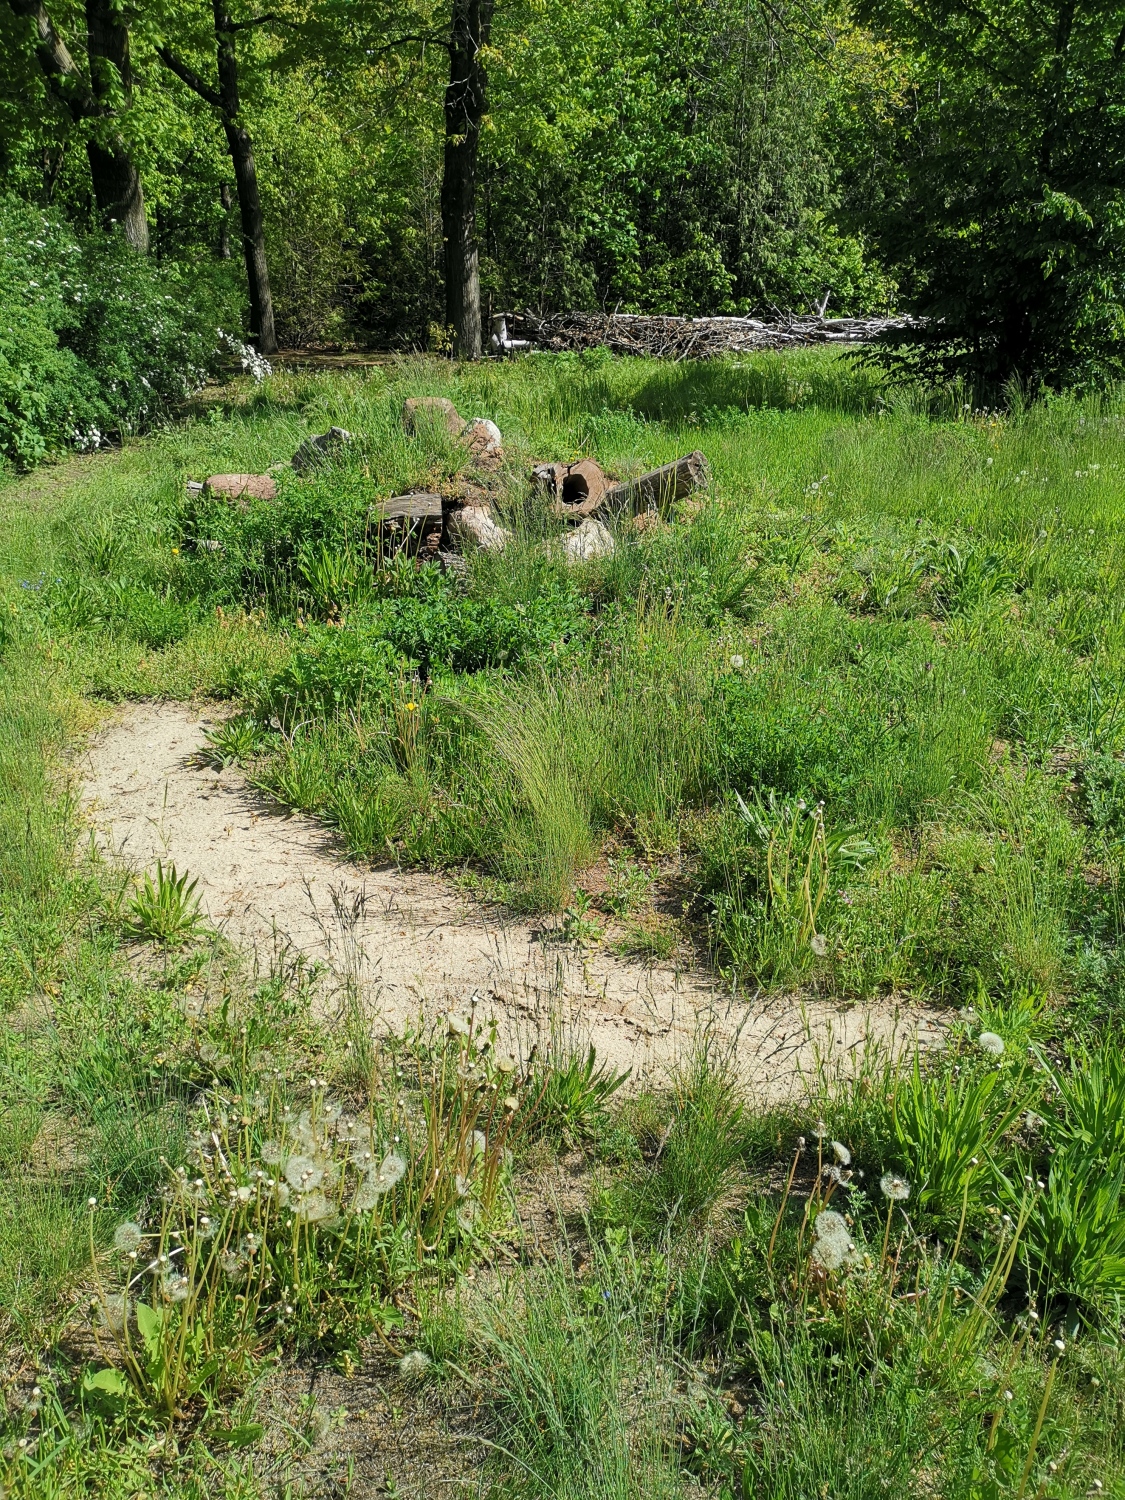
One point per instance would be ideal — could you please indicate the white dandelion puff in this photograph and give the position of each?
(314, 1208)
(991, 1044)
(113, 1311)
(233, 1265)
(894, 1187)
(303, 1173)
(414, 1365)
(841, 1153)
(392, 1170)
(127, 1237)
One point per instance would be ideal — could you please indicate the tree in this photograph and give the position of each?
(224, 99)
(1001, 191)
(466, 104)
(92, 102)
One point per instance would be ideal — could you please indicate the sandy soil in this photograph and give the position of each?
(413, 943)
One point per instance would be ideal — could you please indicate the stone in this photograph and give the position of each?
(472, 525)
(434, 408)
(483, 440)
(588, 542)
(240, 487)
(315, 451)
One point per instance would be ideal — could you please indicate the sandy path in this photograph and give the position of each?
(415, 942)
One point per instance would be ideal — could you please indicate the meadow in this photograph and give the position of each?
(859, 708)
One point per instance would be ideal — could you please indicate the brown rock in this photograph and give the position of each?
(241, 487)
(433, 408)
(483, 440)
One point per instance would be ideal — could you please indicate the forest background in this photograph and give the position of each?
(958, 161)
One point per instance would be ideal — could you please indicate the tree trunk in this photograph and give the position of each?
(113, 174)
(224, 228)
(253, 236)
(225, 100)
(117, 190)
(246, 182)
(466, 100)
(117, 183)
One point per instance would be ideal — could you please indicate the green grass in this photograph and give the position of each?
(861, 710)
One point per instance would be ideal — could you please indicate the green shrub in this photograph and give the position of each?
(95, 340)
(333, 669)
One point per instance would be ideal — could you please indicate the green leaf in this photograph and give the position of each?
(238, 1437)
(150, 1321)
(109, 1380)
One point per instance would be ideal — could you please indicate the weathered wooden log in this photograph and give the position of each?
(573, 491)
(415, 507)
(412, 522)
(665, 337)
(659, 489)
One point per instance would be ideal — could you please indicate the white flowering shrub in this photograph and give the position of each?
(253, 363)
(95, 340)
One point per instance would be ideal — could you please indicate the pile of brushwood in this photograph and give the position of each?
(690, 338)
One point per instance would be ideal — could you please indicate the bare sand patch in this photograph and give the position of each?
(418, 946)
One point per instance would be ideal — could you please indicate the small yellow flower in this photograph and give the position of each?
(410, 707)
(175, 552)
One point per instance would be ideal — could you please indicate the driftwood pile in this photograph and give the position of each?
(689, 338)
(444, 526)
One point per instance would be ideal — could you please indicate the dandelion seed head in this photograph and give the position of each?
(457, 1025)
(272, 1153)
(304, 1173)
(314, 1208)
(991, 1044)
(414, 1365)
(841, 1153)
(127, 1237)
(176, 1288)
(894, 1187)
(113, 1310)
(819, 944)
(736, 662)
